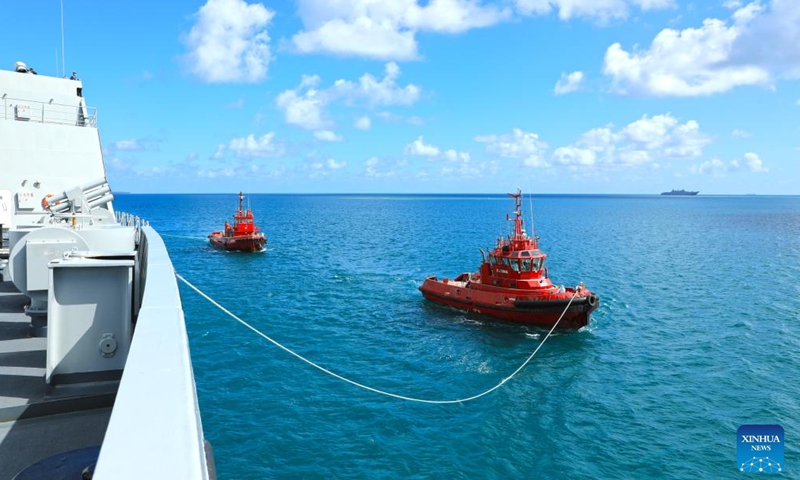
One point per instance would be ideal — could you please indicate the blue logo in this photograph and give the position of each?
(759, 448)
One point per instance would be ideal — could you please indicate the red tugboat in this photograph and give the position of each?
(513, 284)
(242, 236)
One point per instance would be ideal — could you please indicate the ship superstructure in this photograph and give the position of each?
(96, 371)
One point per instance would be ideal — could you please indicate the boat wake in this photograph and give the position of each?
(202, 239)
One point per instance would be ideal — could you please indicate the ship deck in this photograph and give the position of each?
(34, 423)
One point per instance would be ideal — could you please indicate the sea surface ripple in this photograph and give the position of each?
(697, 334)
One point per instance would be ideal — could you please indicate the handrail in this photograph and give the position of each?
(22, 109)
(155, 429)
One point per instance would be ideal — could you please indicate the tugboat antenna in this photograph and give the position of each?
(533, 225)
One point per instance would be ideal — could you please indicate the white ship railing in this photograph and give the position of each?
(24, 110)
(155, 429)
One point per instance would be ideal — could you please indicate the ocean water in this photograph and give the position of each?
(698, 333)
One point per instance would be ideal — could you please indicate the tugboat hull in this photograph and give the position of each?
(513, 284)
(518, 306)
(249, 244)
(242, 236)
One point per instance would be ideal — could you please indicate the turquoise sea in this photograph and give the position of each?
(698, 333)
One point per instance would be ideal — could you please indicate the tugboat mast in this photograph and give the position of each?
(520, 240)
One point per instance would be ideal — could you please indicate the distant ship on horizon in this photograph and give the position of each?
(679, 192)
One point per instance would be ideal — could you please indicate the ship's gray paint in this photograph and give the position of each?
(155, 429)
(53, 189)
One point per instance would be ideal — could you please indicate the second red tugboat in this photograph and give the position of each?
(242, 236)
(513, 284)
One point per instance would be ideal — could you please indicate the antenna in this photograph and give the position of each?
(63, 63)
(533, 225)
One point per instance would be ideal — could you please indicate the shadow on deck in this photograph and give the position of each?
(35, 425)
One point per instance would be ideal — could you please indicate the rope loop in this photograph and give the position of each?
(366, 387)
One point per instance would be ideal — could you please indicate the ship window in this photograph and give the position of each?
(537, 264)
(515, 265)
(492, 260)
(525, 253)
(526, 264)
(505, 261)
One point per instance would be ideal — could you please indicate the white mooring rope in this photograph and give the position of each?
(371, 389)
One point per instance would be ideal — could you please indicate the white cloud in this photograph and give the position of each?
(118, 165)
(738, 133)
(327, 136)
(641, 142)
(388, 30)
(682, 63)
(522, 145)
(305, 105)
(385, 30)
(717, 168)
(772, 38)
(242, 170)
(334, 165)
(363, 123)
(220, 152)
(533, 7)
(459, 166)
(128, 145)
(379, 92)
(455, 156)
(322, 169)
(753, 163)
(574, 156)
(374, 167)
(664, 135)
(714, 167)
(569, 83)
(601, 10)
(215, 173)
(229, 42)
(395, 118)
(756, 45)
(251, 146)
(304, 108)
(420, 149)
(361, 37)
(132, 145)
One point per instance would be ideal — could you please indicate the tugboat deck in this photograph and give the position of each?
(513, 284)
(34, 425)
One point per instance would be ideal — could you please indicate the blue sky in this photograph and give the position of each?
(436, 96)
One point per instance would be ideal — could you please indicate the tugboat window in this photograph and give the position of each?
(526, 264)
(537, 264)
(515, 265)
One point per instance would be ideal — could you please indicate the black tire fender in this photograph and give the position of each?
(592, 300)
